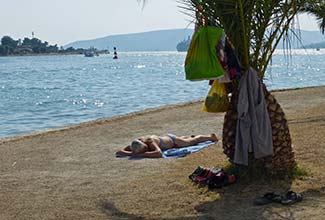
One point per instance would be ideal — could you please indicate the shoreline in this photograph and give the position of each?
(44, 54)
(101, 53)
(73, 173)
(122, 116)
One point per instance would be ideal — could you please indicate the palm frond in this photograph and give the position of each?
(317, 9)
(143, 2)
(254, 27)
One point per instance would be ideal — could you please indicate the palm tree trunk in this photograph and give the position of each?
(283, 159)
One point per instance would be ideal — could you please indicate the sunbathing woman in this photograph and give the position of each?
(152, 146)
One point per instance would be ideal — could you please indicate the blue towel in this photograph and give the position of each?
(184, 151)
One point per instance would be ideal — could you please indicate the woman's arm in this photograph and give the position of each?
(124, 152)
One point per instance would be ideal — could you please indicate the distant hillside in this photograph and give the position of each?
(164, 40)
(167, 40)
(307, 38)
(317, 45)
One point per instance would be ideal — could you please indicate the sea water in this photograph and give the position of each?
(42, 92)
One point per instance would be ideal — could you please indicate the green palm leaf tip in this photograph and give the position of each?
(256, 28)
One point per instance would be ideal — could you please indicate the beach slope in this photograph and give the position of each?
(72, 172)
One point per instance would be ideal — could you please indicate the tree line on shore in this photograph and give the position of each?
(27, 46)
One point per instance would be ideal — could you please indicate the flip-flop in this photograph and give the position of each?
(291, 197)
(268, 198)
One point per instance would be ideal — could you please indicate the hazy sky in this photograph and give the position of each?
(65, 21)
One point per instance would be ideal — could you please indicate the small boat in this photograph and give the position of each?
(89, 54)
(318, 49)
(184, 45)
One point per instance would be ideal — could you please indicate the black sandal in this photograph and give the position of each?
(268, 198)
(291, 197)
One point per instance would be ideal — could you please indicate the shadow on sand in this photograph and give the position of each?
(236, 202)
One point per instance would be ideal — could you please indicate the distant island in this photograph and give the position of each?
(184, 45)
(34, 46)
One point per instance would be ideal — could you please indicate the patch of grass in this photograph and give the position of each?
(248, 174)
(299, 173)
(257, 172)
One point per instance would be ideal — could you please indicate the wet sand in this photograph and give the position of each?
(72, 172)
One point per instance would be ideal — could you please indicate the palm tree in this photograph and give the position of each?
(255, 28)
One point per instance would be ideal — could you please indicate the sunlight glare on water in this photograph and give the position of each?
(40, 92)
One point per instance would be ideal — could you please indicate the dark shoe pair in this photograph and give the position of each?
(289, 198)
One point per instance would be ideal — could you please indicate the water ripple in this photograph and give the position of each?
(44, 92)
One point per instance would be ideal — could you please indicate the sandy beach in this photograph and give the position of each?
(72, 172)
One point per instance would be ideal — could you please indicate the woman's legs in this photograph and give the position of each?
(185, 141)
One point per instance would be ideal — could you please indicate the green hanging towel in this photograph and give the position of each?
(201, 60)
